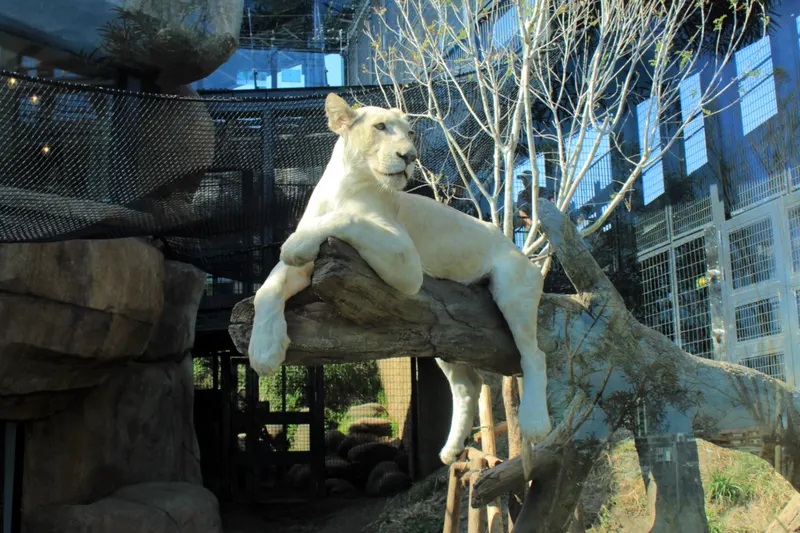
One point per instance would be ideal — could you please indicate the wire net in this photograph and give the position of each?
(758, 319)
(652, 229)
(657, 310)
(693, 303)
(770, 364)
(752, 250)
(221, 182)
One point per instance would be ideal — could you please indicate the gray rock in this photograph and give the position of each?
(351, 441)
(380, 427)
(335, 467)
(150, 507)
(386, 479)
(173, 335)
(371, 453)
(340, 487)
(65, 317)
(366, 410)
(135, 427)
(333, 439)
(170, 33)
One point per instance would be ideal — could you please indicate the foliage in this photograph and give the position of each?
(507, 82)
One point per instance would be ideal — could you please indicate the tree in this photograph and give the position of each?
(553, 86)
(604, 366)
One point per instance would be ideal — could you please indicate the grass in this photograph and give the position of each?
(743, 493)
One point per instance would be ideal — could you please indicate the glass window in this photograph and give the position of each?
(598, 177)
(694, 135)
(756, 84)
(250, 69)
(649, 133)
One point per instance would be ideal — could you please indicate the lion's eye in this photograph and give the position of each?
(380, 126)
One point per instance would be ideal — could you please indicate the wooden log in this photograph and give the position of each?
(452, 510)
(476, 516)
(499, 429)
(494, 509)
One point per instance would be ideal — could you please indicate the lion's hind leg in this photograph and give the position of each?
(269, 339)
(465, 385)
(516, 287)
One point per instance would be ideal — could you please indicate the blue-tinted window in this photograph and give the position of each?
(756, 84)
(505, 27)
(252, 69)
(694, 135)
(650, 133)
(598, 177)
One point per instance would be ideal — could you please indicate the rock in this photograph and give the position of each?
(401, 458)
(333, 439)
(183, 42)
(340, 487)
(370, 454)
(335, 466)
(386, 479)
(299, 476)
(66, 318)
(173, 334)
(365, 410)
(135, 427)
(152, 507)
(380, 427)
(354, 440)
(59, 299)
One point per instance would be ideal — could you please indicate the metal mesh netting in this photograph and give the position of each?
(220, 181)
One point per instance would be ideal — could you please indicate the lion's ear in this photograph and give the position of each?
(339, 114)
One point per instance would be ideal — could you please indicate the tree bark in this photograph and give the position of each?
(603, 365)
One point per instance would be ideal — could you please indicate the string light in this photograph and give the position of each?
(34, 99)
(46, 150)
(12, 82)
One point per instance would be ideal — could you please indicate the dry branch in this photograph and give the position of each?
(604, 366)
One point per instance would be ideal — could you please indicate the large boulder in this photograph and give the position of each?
(173, 335)
(150, 507)
(71, 310)
(180, 41)
(135, 427)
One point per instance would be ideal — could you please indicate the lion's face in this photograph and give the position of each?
(379, 142)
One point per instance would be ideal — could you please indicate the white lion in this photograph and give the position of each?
(360, 200)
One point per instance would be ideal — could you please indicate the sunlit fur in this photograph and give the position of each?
(359, 200)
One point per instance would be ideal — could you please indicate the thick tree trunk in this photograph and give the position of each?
(605, 368)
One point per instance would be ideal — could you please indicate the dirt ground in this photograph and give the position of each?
(329, 515)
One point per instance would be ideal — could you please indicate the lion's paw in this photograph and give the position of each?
(267, 351)
(450, 455)
(299, 250)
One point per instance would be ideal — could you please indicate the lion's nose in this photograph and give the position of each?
(409, 157)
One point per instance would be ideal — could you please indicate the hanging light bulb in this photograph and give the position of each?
(34, 99)
(46, 150)
(13, 82)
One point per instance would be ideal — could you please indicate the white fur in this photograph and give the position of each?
(359, 200)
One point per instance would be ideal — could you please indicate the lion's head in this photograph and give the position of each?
(378, 141)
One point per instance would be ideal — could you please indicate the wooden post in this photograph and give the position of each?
(453, 508)
(494, 511)
(477, 515)
(778, 459)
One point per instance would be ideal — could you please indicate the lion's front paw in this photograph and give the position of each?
(299, 250)
(267, 351)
